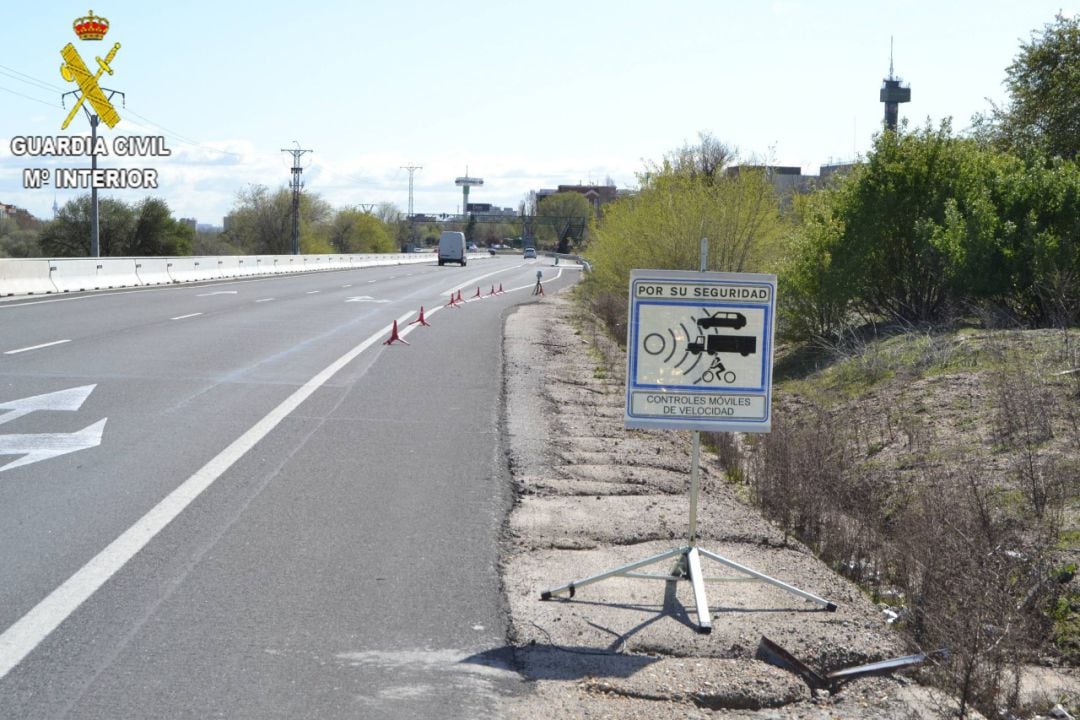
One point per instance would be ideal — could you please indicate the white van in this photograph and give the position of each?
(452, 247)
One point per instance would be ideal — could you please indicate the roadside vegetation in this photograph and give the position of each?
(926, 438)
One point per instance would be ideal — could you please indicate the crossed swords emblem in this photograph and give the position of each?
(75, 70)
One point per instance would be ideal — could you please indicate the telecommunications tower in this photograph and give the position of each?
(892, 94)
(465, 182)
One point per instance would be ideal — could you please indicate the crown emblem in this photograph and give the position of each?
(91, 27)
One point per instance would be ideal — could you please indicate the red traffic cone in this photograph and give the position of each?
(477, 292)
(453, 301)
(421, 319)
(395, 337)
(492, 291)
(459, 296)
(500, 290)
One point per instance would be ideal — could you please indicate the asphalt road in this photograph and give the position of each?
(233, 500)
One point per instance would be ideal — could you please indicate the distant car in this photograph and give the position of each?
(472, 247)
(732, 320)
(530, 253)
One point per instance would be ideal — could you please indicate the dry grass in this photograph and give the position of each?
(940, 471)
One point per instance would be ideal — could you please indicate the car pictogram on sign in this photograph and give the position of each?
(733, 320)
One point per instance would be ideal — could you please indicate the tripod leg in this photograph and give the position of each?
(697, 581)
(831, 607)
(571, 587)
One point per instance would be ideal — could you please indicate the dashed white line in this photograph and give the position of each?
(36, 347)
(264, 300)
(311, 292)
(185, 317)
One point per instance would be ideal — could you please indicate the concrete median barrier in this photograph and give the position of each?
(153, 271)
(195, 269)
(77, 274)
(35, 276)
(247, 266)
(25, 277)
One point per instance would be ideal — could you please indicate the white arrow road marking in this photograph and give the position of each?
(42, 446)
(69, 400)
(218, 292)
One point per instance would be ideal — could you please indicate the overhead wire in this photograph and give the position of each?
(28, 97)
(44, 85)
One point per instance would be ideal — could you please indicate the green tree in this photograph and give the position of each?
(1044, 93)
(146, 228)
(68, 235)
(353, 231)
(261, 222)
(156, 233)
(18, 242)
(562, 218)
(470, 228)
(662, 225)
(890, 241)
(706, 160)
(933, 222)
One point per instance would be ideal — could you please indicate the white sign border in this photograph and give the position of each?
(767, 341)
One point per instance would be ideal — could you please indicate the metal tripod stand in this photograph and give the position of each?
(688, 566)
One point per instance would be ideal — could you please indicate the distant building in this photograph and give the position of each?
(191, 223)
(786, 179)
(23, 219)
(597, 195)
(835, 171)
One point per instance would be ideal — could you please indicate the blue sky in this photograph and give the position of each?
(526, 95)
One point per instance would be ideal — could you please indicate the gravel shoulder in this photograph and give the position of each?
(591, 496)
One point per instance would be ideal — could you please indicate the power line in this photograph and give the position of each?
(28, 97)
(28, 79)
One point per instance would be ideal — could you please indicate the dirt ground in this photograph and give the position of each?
(593, 496)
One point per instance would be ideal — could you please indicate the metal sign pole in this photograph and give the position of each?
(695, 439)
(95, 228)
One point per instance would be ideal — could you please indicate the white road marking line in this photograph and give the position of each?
(185, 317)
(311, 292)
(27, 632)
(218, 292)
(264, 300)
(36, 347)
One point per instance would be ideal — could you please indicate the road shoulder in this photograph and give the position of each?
(592, 495)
